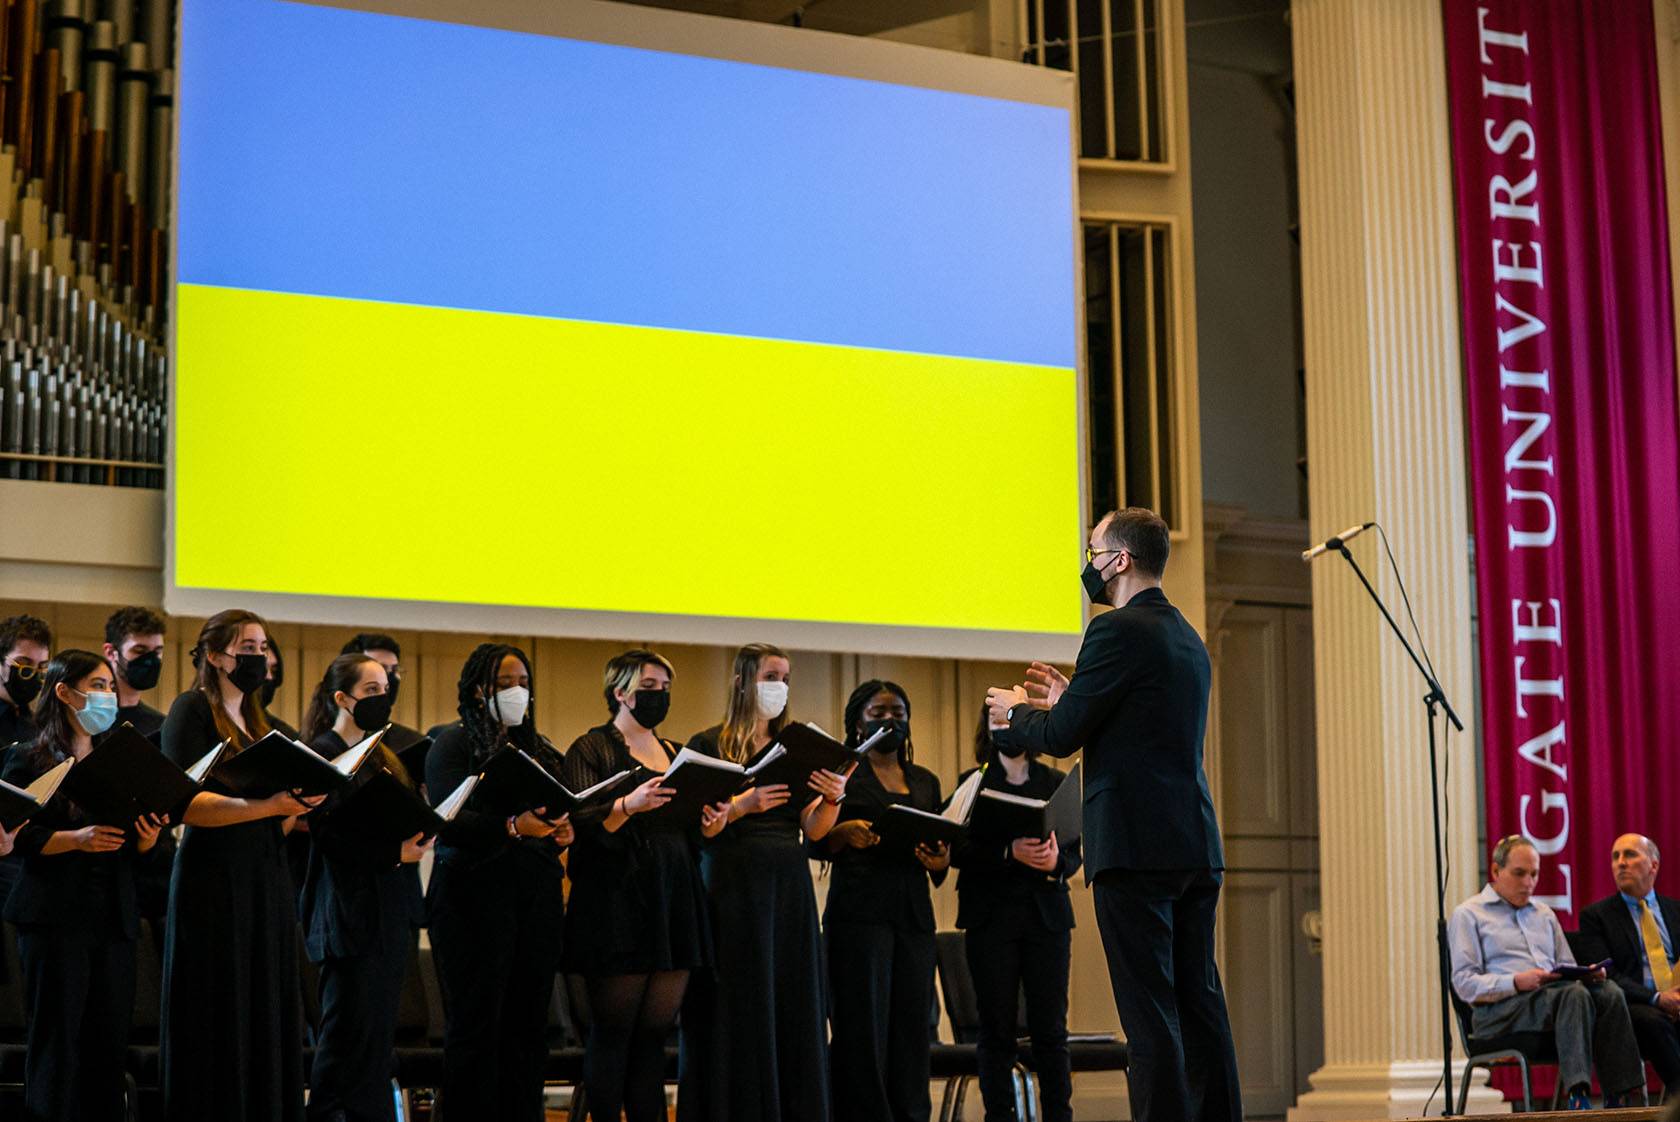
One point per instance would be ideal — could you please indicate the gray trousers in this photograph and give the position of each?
(1590, 1023)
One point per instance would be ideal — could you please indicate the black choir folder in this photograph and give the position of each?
(901, 826)
(125, 777)
(19, 804)
(514, 782)
(383, 808)
(413, 757)
(999, 814)
(699, 781)
(799, 752)
(277, 763)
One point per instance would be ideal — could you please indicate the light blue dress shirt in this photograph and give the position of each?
(1491, 942)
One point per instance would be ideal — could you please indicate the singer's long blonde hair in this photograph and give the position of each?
(740, 716)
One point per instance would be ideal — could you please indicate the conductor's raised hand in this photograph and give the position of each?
(1044, 685)
(715, 817)
(854, 833)
(1000, 700)
(649, 796)
(760, 799)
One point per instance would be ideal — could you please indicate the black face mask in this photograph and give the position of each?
(898, 733)
(248, 672)
(372, 713)
(23, 690)
(651, 707)
(1095, 586)
(142, 671)
(392, 681)
(1012, 751)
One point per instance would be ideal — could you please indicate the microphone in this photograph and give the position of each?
(1337, 542)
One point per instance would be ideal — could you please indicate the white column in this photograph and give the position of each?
(1384, 442)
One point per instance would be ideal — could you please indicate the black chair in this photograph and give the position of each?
(418, 1059)
(1521, 1048)
(962, 1064)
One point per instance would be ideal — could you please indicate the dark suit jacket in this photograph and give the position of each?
(1137, 704)
(1608, 932)
(991, 884)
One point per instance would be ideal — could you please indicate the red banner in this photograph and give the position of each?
(1570, 385)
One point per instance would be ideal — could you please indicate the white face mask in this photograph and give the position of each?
(772, 699)
(508, 706)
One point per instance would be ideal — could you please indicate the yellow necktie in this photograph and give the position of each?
(1662, 976)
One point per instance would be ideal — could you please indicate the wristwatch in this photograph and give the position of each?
(1009, 714)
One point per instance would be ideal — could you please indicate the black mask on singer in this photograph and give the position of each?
(651, 707)
(142, 671)
(372, 713)
(898, 732)
(23, 690)
(248, 672)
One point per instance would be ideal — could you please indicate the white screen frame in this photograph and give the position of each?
(733, 40)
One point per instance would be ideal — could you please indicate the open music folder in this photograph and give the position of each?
(19, 804)
(1006, 816)
(126, 777)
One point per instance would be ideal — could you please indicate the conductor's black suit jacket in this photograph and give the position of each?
(1137, 703)
(1608, 932)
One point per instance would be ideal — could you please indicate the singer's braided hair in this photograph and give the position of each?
(472, 698)
(859, 701)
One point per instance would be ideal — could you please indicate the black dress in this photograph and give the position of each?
(232, 1026)
(638, 905)
(361, 908)
(1019, 925)
(495, 908)
(878, 928)
(77, 922)
(754, 1045)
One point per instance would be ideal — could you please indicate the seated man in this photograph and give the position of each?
(1504, 951)
(1635, 930)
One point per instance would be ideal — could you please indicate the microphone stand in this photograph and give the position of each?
(1435, 698)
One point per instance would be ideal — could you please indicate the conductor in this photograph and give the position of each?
(1137, 703)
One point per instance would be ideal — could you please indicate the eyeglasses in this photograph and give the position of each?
(27, 670)
(1093, 554)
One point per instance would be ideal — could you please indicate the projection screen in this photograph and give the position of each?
(595, 320)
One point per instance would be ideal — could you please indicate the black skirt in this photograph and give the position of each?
(638, 910)
(754, 1028)
(232, 1029)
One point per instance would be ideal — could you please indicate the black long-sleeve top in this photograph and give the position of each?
(778, 824)
(355, 885)
(600, 754)
(883, 884)
(990, 880)
(477, 835)
(85, 891)
(143, 717)
(189, 731)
